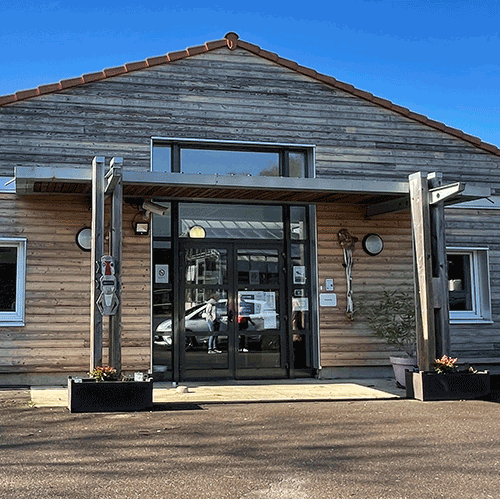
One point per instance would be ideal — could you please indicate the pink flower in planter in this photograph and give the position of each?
(446, 365)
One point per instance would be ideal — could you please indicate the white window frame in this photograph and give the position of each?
(16, 318)
(480, 284)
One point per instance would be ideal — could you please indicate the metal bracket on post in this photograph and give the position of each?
(114, 175)
(443, 192)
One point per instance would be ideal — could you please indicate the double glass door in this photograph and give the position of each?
(233, 322)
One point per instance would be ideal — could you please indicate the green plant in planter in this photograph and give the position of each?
(393, 320)
(104, 373)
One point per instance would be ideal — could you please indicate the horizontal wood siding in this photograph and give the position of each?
(56, 337)
(472, 228)
(351, 343)
(226, 95)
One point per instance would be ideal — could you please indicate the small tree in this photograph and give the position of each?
(393, 320)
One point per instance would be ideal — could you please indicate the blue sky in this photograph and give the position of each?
(438, 58)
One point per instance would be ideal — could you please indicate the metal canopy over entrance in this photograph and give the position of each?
(191, 186)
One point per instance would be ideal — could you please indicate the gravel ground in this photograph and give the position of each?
(360, 449)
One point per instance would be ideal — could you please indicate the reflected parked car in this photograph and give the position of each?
(196, 323)
(254, 316)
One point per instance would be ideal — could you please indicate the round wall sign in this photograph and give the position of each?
(84, 239)
(372, 244)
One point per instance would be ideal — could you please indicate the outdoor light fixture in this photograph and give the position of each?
(84, 239)
(372, 244)
(141, 228)
(197, 232)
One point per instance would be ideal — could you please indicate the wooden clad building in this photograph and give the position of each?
(267, 161)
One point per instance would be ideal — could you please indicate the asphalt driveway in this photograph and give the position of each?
(362, 449)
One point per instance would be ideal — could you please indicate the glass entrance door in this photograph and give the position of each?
(232, 324)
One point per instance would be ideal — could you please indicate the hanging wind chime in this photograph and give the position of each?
(347, 242)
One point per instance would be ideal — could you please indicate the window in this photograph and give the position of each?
(232, 221)
(245, 159)
(468, 285)
(7, 184)
(12, 281)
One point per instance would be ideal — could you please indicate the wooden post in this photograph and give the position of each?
(97, 250)
(439, 270)
(424, 293)
(115, 354)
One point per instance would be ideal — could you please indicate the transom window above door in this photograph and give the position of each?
(230, 158)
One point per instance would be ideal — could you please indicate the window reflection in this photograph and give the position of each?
(298, 223)
(162, 161)
(258, 267)
(238, 221)
(8, 280)
(206, 266)
(259, 351)
(297, 164)
(459, 282)
(210, 162)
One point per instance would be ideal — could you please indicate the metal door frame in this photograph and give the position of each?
(232, 371)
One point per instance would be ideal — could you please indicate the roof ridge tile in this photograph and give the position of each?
(157, 60)
(135, 66)
(70, 82)
(216, 44)
(199, 49)
(117, 70)
(175, 56)
(26, 94)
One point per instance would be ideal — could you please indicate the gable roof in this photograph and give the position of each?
(232, 41)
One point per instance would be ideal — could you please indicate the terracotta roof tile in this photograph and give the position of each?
(200, 49)
(118, 70)
(70, 82)
(26, 94)
(135, 66)
(47, 89)
(90, 77)
(232, 41)
(156, 61)
(217, 44)
(272, 56)
(175, 56)
(308, 72)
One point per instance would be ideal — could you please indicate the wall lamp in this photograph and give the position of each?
(141, 228)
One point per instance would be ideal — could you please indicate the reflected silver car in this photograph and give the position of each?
(196, 323)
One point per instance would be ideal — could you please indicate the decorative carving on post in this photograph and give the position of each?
(347, 242)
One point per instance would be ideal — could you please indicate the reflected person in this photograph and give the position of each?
(211, 316)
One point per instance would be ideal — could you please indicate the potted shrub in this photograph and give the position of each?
(448, 381)
(106, 391)
(393, 320)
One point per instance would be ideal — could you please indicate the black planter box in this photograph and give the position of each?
(88, 395)
(428, 385)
